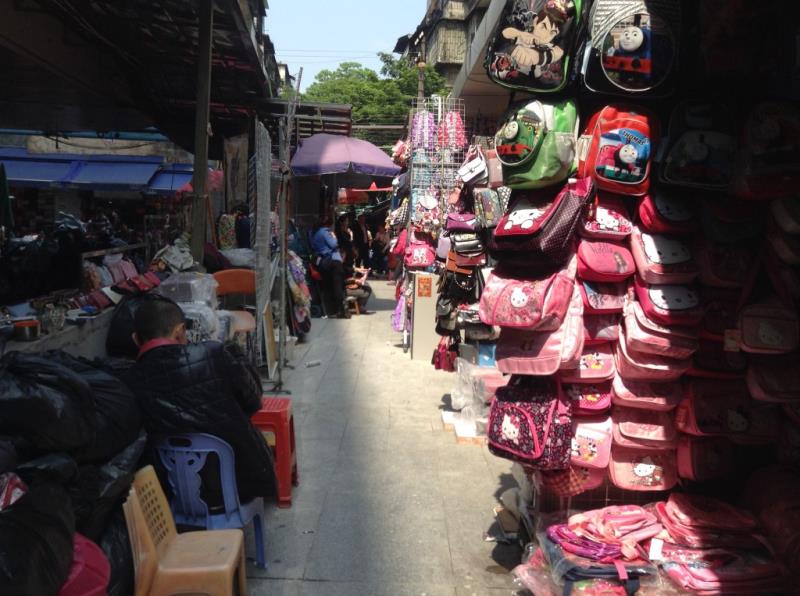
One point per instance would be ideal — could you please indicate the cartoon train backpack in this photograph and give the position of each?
(534, 46)
(632, 47)
(701, 146)
(617, 147)
(536, 144)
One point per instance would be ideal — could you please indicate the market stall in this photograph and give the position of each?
(619, 298)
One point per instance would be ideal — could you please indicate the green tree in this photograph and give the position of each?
(376, 98)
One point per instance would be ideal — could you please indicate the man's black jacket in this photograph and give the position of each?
(206, 388)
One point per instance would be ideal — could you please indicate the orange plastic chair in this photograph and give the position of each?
(275, 419)
(166, 562)
(238, 281)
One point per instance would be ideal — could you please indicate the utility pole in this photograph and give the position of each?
(202, 112)
(421, 71)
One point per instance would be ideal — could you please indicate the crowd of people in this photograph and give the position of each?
(346, 255)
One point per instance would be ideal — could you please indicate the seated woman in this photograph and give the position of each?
(356, 286)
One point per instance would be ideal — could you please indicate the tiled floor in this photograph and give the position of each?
(388, 503)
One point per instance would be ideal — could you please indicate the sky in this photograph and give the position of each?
(320, 34)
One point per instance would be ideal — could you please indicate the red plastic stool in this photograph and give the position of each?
(90, 570)
(276, 423)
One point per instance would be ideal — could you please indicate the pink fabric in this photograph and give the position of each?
(600, 328)
(637, 366)
(649, 337)
(633, 469)
(661, 214)
(669, 304)
(589, 399)
(769, 328)
(603, 298)
(704, 458)
(591, 442)
(648, 395)
(645, 430)
(596, 364)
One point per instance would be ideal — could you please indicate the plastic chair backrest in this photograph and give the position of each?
(183, 456)
(155, 509)
(236, 281)
(145, 554)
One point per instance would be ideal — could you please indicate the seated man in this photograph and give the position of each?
(356, 286)
(202, 388)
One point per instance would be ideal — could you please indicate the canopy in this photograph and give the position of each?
(335, 154)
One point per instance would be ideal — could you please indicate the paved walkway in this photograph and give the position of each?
(388, 503)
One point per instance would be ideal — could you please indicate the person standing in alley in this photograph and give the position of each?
(329, 261)
(362, 238)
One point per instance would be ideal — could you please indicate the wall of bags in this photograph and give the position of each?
(639, 272)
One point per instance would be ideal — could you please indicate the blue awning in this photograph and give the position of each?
(171, 178)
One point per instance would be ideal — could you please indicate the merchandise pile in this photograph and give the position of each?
(624, 273)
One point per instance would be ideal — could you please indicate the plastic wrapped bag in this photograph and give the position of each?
(117, 417)
(190, 287)
(44, 403)
(99, 489)
(117, 547)
(202, 323)
(467, 392)
(36, 546)
(241, 257)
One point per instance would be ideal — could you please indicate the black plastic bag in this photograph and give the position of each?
(119, 342)
(117, 418)
(117, 548)
(8, 456)
(97, 490)
(55, 468)
(36, 546)
(44, 403)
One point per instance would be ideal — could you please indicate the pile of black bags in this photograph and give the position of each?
(73, 432)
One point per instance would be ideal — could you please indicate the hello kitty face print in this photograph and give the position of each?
(672, 209)
(770, 335)
(519, 299)
(668, 297)
(623, 156)
(510, 429)
(523, 218)
(647, 472)
(609, 221)
(663, 250)
(736, 421)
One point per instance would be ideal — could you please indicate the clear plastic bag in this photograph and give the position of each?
(241, 257)
(467, 391)
(202, 321)
(190, 287)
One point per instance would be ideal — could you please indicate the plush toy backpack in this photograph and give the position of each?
(536, 144)
(701, 146)
(616, 149)
(632, 47)
(533, 48)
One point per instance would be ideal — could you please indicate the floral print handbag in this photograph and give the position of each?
(530, 422)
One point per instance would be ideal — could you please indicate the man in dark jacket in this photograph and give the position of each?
(202, 388)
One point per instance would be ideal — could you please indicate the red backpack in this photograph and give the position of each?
(616, 149)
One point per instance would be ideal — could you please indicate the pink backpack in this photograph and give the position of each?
(648, 337)
(646, 430)
(723, 265)
(419, 255)
(591, 442)
(661, 397)
(603, 298)
(721, 311)
(723, 571)
(603, 261)
(704, 458)
(608, 220)
(536, 304)
(530, 422)
(704, 522)
(775, 379)
(542, 352)
(638, 366)
(712, 361)
(596, 364)
(669, 304)
(589, 399)
(769, 328)
(599, 329)
(634, 469)
(662, 214)
(662, 259)
(724, 409)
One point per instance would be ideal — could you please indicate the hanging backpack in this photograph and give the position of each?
(705, 458)
(607, 220)
(602, 261)
(632, 48)
(768, 165)
(664, 213)
(600, 328)
(603, 298)
(596, 365)
(589, 399)
(616, 149)
(658, 396)
(536, 144)
(701, 146)
(533, 47)
(634, 469)
(530, 422)
(591, 442)
(662, 259)
(646, 430)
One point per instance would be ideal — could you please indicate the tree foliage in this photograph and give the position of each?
(383, 97)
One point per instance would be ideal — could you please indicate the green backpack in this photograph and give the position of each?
(536, 144)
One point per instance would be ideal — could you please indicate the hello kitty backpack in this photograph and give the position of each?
(607, 219)
(617, 147)
(669, 304)
(646, 430)
(530, 422)
(649, 337)
(648, 395)
(639, 366)
(663, 213)
(634, 469)
(662, 259)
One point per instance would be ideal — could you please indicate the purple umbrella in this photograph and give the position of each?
(336, 154)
